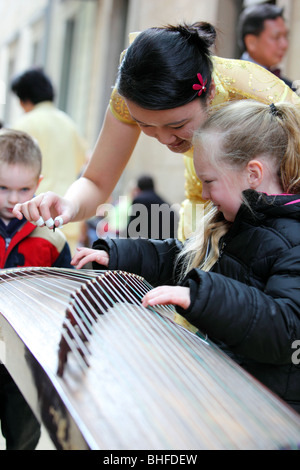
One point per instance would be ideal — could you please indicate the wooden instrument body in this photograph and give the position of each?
(102, 372)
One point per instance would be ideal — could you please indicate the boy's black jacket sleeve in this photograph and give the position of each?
(152, 259)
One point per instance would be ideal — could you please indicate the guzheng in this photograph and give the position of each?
(102, 372)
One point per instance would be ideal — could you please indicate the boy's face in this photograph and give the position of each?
(18, 184)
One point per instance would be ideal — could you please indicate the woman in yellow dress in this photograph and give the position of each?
(168, 83)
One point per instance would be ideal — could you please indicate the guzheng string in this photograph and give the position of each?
(30, 287)
(27, 288)
(149, 380)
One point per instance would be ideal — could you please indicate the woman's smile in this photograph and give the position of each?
(180, 147)
(171, 127)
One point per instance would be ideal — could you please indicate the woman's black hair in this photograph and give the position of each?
(160, 67)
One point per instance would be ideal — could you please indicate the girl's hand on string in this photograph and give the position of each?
(46, 209)
(164, 295)
(88, 255)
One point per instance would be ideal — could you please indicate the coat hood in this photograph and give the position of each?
(261, 205)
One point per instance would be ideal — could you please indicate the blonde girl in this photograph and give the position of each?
(240, 277)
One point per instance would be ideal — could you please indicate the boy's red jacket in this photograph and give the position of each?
(24, 244)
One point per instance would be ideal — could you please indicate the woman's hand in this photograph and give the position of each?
(87, 255)
(164, 295)
(46, 209)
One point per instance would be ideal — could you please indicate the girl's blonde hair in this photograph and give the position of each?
(245, 130)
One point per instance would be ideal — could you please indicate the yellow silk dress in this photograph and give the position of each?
(234, 80)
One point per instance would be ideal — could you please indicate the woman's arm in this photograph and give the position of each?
(112, 152)
(113, 149)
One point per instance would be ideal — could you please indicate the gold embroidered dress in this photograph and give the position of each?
(234, 80)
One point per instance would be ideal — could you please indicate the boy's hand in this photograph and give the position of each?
(87, 255)
(164, 295)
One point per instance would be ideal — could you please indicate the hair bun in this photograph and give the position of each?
(206, 32)
(202, 33)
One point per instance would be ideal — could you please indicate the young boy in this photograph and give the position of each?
(22, 244)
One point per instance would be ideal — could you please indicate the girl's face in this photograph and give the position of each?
(171, 127)
(221, 184)
(18, 184)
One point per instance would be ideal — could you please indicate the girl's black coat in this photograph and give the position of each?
(249, 303)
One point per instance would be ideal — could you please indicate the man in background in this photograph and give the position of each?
(62, 147)
(263, 37)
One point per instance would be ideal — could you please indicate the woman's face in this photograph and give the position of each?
(171, 127)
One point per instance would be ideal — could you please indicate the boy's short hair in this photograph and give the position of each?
(17, 147)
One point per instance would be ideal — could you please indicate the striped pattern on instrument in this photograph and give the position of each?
(130, 377)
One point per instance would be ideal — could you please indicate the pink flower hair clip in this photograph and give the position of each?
(202, 86)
